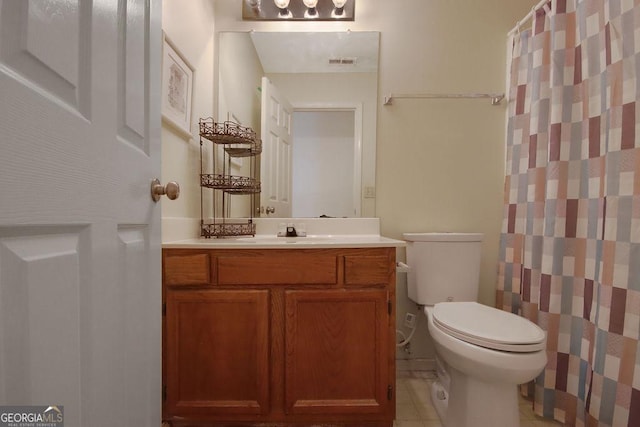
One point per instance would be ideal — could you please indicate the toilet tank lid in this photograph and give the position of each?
(443, 237)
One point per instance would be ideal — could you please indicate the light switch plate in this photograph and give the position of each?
(369, 192)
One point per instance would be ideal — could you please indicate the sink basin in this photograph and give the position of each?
(270, 240)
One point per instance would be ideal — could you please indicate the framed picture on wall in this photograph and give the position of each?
(177, 88)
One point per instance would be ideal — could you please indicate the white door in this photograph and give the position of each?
(275, 164)
(80, 286)
(326, 163)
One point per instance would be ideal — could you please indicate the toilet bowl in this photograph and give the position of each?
(483, 380)
(488, 343)
(486, 352)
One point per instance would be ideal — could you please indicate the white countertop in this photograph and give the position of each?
(321, 233)
(318, 241)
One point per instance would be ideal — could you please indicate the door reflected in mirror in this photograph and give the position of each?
(330, 80)
(324, 181)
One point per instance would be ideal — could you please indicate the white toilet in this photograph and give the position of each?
(483, 353)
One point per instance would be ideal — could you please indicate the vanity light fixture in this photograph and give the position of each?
(311, 12)
(283, 8)
(298, 10)
(339, 7)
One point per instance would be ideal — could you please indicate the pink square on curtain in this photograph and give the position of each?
(628, 126)
(588, 298)
(555, 139)
(521, 96)
(627, 360)
(533, 147)
(571, 218)
(616, 316)
(594, 137)
(577, 67)
(545, 292)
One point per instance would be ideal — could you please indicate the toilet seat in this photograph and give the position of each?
(488, 327)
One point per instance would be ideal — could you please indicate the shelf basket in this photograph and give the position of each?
(230, 183)
(228, 229)
(226, 132)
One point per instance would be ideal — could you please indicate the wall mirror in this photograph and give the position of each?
(322, 89)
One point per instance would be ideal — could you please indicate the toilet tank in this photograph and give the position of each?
(444, 266)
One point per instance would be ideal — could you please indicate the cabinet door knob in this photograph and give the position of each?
(171, 190)
(271, 209)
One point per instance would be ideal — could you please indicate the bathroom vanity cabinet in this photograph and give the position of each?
(279, 336)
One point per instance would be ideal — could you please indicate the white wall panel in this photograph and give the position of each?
(131, 73)
(136, 324)
(40, 308)
(48, 45)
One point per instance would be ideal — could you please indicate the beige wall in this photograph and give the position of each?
(190, 26)
(439, 162)
(240, 77)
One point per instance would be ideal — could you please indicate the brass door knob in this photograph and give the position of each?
(171, 190)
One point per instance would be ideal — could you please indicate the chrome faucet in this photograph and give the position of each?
(289, 230)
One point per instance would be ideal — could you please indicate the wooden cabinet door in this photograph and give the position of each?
(336, 357)
(217, 352)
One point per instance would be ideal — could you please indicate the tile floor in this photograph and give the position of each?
(414, 408)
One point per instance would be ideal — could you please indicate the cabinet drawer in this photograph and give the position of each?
(363, 270)
(187, 269)
(284, 268)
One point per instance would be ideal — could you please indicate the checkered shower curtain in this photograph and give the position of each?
(570, 243)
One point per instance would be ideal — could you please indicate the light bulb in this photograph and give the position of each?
(311, 12)
(339, 3)
(282, 4)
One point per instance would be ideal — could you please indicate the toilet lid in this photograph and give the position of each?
(488, 327)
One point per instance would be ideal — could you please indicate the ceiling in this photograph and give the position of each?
(310, 52)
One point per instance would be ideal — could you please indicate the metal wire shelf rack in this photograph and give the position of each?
(230, 141)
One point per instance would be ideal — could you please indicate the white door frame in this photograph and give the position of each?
(356, 107)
